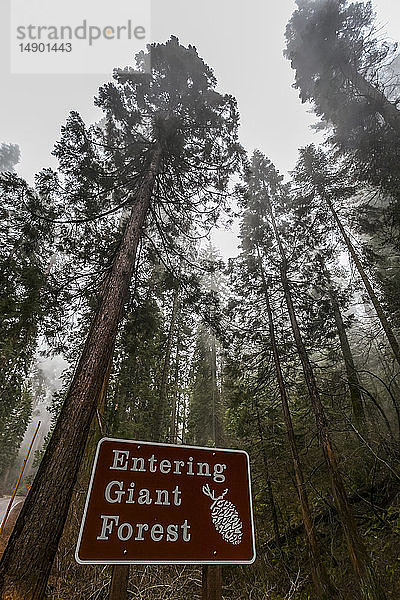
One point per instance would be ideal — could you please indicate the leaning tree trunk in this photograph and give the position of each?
(365, 577)
(374, 299)
(352, 376)
(322, 584)
(26, 564)
(386, 109)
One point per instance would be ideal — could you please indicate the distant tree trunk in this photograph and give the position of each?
(322, 584)
(374, 299)
(365, 576)
(216, 434)
(26, 564)
(175, 398)
(163, 396)
(352, 376)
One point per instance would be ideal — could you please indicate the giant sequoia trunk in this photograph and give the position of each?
(28, 558)
(366, 580)
(374, 299)
(322, 584)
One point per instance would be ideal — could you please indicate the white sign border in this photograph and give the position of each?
(163, 562)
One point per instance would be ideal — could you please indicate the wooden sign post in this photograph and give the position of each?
(119, 583)
(211, 583)
(153, 503)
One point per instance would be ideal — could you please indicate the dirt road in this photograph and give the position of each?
(4, 503)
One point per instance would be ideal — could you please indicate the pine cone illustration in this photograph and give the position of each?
(225, 517)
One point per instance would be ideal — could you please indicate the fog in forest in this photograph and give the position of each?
(199, 255)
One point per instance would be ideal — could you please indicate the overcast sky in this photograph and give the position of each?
(242, 41)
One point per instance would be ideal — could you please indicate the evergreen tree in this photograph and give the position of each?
(321, 182)
(144, 396)
(269, 191)
(9, 157)
(256, 265)
(168, 146)
(26, 306)
(341, 67)
(205, 418)
(204, 425)
(133, 396)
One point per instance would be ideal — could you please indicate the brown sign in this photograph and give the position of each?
(160, 503)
